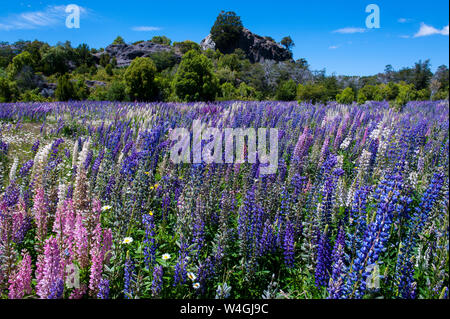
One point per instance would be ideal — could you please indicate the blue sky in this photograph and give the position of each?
(329, 34)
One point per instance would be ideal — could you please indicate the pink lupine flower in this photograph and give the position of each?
(79, 292)
(50, 269)
(96, 261)
(60, 220)
(365, 136)
(40, 213)
(81, 242)
(69, 230)
(107, 244)
(20, 283)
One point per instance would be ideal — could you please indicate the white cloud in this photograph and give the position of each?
(444, 31)
(146, 28)
(426, 30)
(50, 16)
(349, 30)
(333, 47)
(404, 20)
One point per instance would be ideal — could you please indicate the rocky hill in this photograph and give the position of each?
(255, 47)
(125, 53)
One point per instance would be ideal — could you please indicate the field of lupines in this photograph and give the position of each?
(91, 205)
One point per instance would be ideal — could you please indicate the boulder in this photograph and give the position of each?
(125, 53)
(256, 48)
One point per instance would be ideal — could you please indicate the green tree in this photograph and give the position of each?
(366, 93)
(65, 90)
(118, 40)
(440, 84)
(164, 59)
(226, 31)
(311, 92)
(21, 71)
(56, 60)
(390, 91)
(6, 54)
(228, 91)
(422, 75)
(195, 80)
(20, 61)
(287, 91)
(81, 89)
(140, 80)
(331, 87)
(288, 43)
(105, 59)
(83, 55)
(161, 39)
(231, 61)
(347, 96)
(186, 46)
(406, 93)
(247, 92)
(109, 70)
(116, 91)
(8, 90)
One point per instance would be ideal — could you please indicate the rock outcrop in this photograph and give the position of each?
(125, 53)
(255, 47)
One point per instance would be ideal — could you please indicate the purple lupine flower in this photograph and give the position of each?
(205, 271)
(323, 267)
(35, 146)
(376, 235)
(26, 168)
(288, 245)
(54, 159)
(128, 278)
(149, 241)
(335, 287)
(88, 160)
(180, 275)
(267, 241)
(405, 266)
(198, 232)
(103, 289)
(97, 162)
(157, 281)
(56, 290)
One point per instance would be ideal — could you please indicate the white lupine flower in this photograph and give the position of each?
(345, 143)
(413, 177)
(62, 188)
(12, 172)
(364, 161)
(75, 152)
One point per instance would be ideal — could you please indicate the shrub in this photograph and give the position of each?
(287, 91)
(347, 96)
(65, 90)
(140, 80)
(8, 90)
(228, 91)
(311, 92)
(116, 91)
(161, 39)
(195, 80)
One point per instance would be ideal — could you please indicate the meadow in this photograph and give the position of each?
(91, 205)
